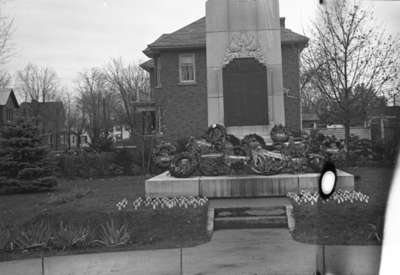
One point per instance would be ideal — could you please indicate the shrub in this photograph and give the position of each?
(31, 173)
(75, 194)
(112, 235)
(23, 159)
(386, 151)
(5, 237)
(34, 236)
(70, 236)
(96, 165)
(124, 159)
(9, 186)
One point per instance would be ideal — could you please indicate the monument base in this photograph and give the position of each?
(249, 186)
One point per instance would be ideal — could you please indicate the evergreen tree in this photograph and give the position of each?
(24, 160)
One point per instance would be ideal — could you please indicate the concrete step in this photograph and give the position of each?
(250, 217)
(250, 222)
(250, 212)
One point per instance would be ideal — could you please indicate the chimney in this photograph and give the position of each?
(282, 19)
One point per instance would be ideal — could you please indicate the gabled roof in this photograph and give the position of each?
(194, 36)
(5, 94)
(148, 65)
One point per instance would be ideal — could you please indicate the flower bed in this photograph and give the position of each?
(144, 223)
(163, 203)
(344, 218)
(339, 197)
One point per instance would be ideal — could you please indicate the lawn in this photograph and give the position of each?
(92, 203)
(347, 223)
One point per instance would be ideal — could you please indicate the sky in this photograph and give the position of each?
(71, 36)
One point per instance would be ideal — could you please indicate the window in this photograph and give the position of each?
(187, 70)
(149, 122)
(158, 72)
(9, 115)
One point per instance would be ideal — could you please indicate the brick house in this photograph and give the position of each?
(50, 121)
(178, 76)
(8, 106)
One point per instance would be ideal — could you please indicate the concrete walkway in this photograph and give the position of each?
(241, 252)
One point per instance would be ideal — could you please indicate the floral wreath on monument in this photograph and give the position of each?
(217, 153)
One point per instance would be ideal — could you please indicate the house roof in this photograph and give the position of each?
(5, 94)
(391, 111)
(194, 36)
(148, 65)
(51, 110)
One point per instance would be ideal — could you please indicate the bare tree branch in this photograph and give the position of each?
(35, 83)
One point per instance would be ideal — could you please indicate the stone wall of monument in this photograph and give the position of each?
(292, 113)
(184, 107)
(291, 81)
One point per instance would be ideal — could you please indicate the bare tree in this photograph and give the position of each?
(6, 47)
(132, 85)
(5, 79)
(38, 83)
(347, 52)
(6, 30)
(97, 104)
(70, 116)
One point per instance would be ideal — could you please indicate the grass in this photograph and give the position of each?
(347, 224)
(91, 204)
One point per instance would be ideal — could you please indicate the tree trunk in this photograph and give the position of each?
(347, 140)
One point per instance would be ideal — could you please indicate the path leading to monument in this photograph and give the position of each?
(265, 251)
(241, 252)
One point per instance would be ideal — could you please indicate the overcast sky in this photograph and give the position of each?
(73, 35)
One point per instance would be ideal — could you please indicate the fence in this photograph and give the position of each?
(362, 132)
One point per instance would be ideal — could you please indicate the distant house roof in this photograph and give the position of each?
(390, 111)
(310, 117)
(52, 110)
(194, 36)
(5, 94)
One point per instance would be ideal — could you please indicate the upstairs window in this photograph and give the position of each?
(187, 68)
(9, 115)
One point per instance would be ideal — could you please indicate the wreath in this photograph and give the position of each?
(198, 146)
(239, 163)
(233, 140)
(213, 165)
(264, 162)
(316, 162)
(252, 142)
(216, 135)
(280, 134)
(163, 154)
(183, 165)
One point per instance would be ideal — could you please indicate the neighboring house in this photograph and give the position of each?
(178, 76)
(120, 132)
(75, 140)
(8, 106)
(382, 124)
(385, 123)
(50, 118)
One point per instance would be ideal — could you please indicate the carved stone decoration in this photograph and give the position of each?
(242, 45)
